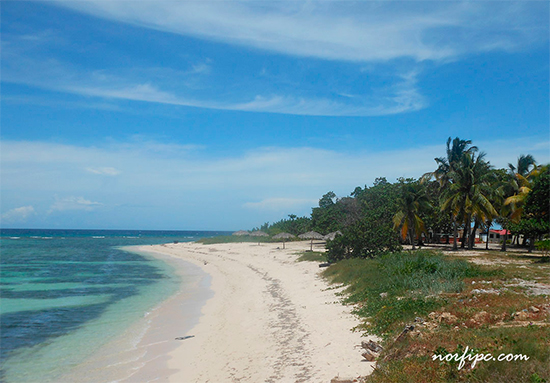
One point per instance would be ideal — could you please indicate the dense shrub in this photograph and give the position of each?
(364, 239)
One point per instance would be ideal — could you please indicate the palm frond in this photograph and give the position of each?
(398, 219)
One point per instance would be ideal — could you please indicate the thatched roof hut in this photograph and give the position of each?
(259, 233)
(331, 236)
(311, 235)
(283, 236)
(240, 233)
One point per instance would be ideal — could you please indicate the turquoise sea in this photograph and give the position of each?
(66, 293)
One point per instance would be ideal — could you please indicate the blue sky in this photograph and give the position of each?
(224, 115)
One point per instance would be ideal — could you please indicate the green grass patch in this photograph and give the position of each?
(395, 288)
(411, 360)
(312, 256)
(391, 291)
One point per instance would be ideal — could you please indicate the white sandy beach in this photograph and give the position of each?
(271, 319)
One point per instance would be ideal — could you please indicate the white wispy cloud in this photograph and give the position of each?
(368, 33)
(335, 30)
(201, 68)
(104, 171)
(404, 97)
(401, 96)
(73, 203)
(19, 214)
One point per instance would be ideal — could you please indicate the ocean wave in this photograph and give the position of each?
(98, 236)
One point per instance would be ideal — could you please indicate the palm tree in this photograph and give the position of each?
(466, 193)
(505, 187)
(412, 202)
(445, 165)
(522, 177)
(456, 150)
(525, 165)
(499, 189)
(480, 206)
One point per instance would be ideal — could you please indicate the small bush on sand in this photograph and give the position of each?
(363, 240)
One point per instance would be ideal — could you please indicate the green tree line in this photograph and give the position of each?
(464, 193)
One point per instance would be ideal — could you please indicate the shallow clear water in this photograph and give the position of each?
(65, 293)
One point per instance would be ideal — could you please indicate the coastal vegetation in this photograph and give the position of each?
(393, 289)
(423, 303)
(462, 196)
(312, 256)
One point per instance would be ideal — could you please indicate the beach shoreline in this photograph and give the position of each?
(269, 319)
(140, 353)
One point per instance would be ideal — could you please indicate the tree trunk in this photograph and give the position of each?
(465, 232)
(531, 244)
(487, 239)
(472, 238)
(455, 235)
(503, 248)
(411, 235)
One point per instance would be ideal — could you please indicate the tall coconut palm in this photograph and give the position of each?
(522, 176)
(412, 202)
(480, 208)
(482, 192)
(497, 192)
(445, 165)
(456, 149)
(467, 193)
(503, 189)
(525, 165)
